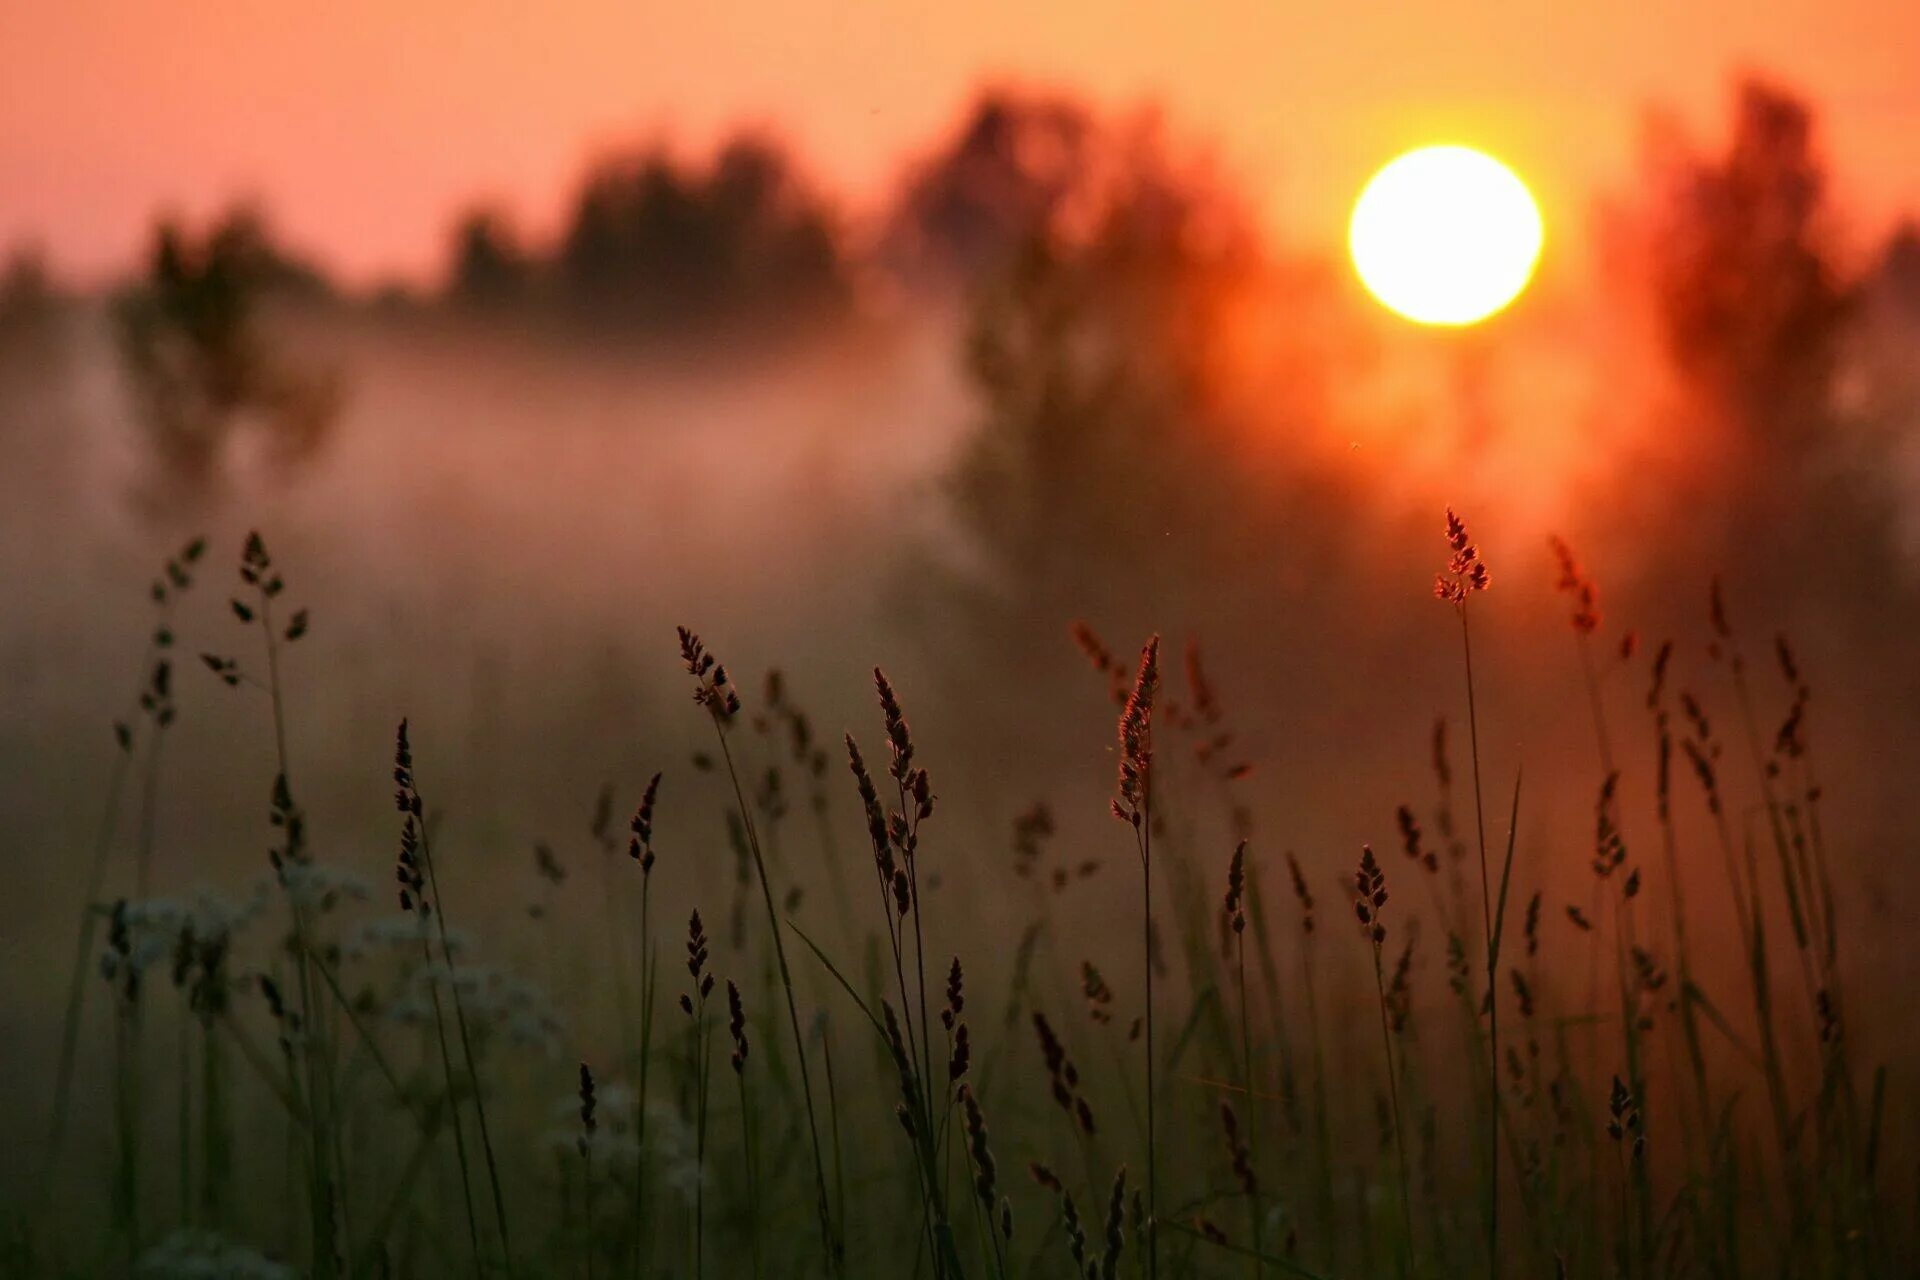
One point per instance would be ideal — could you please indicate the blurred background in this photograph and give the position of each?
(896, 334)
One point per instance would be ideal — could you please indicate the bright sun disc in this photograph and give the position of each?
(1445, 235)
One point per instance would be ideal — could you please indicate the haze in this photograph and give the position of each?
(363, 124)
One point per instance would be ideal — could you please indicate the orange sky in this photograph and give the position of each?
(363, 124)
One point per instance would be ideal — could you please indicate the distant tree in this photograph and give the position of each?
(200, 361)
(26, 288)
(1899, 271)
(489, 266)
(1109, 459)
(1015, 165)
(1778, 450)
(657, 242)
(1741, 264)
(29, 341)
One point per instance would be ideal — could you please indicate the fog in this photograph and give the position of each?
(508, 518)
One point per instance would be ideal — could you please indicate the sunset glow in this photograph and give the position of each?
(1157, 468)
(1445, 235)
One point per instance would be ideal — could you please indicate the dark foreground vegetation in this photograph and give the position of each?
(1172, 1051)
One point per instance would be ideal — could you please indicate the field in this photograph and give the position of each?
(845, 1058)
(1013, 722)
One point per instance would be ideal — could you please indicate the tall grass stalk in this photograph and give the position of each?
(1235, 910)
(737, 1030)
(694, 1005)
(1370, 895)
(640, 850)
(1466, 573)
(439, 917)
(717, 696)
(416, 897)
(1133, 804)
(152, 698)
(264, 586)
(589, 1125)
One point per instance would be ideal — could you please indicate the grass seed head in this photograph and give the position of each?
(640, 844)
(1136, 739)
(737, 1026)
(1466, 572)
(1234, 904)
(1370, 895)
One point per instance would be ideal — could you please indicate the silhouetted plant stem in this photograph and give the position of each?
(786, 982)
(1146, 948)
(153, 698)
(753, 1172)
(325, 1150)
(1133, 804)
(466, 1049)
(1493, 1004)
(1253, 1093)
(648, 975)
(700, 1076)
(453, 1097)
(77, 981)
(1399, 1123)
(126, 1100)
(833, 1117)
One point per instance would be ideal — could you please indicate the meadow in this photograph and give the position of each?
(1032, 731)
(804, 1031)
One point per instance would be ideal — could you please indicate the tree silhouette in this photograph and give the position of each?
(1750, 305)
(1788, 406)
(1106, 454)
(201, 364)
(490, 269)
(1900, 268)
(1005, 176)
(656, 242)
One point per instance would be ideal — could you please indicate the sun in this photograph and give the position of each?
(1445, 235)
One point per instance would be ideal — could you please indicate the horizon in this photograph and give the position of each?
(326, 124)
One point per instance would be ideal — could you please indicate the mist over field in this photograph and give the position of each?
(1082, 387)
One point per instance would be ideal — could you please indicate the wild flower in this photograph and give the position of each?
(1410, 839)
(712, 689)
(1575, 582)
(640, 847)
(589, 1122)
(402, 934)
(1103, 661)
(498, 1005)
(736, 1027)
(1465, 571)
(956, 995)
(1301, 893)
(979, 1154)
(1237, 1151)
(319, 888)
(1623, 1119)
(1136, 739)
(192, 1254)
(1234, 905)
(1370, 894)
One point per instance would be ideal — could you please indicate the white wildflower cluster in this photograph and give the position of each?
(496, 1004)
(613, 1105)
(614, 1144)
(401, 934)
(671, 1148)
(206, 1255)
(154, 927)
(319, 887)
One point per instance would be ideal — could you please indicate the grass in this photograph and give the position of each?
(1677, 1120)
